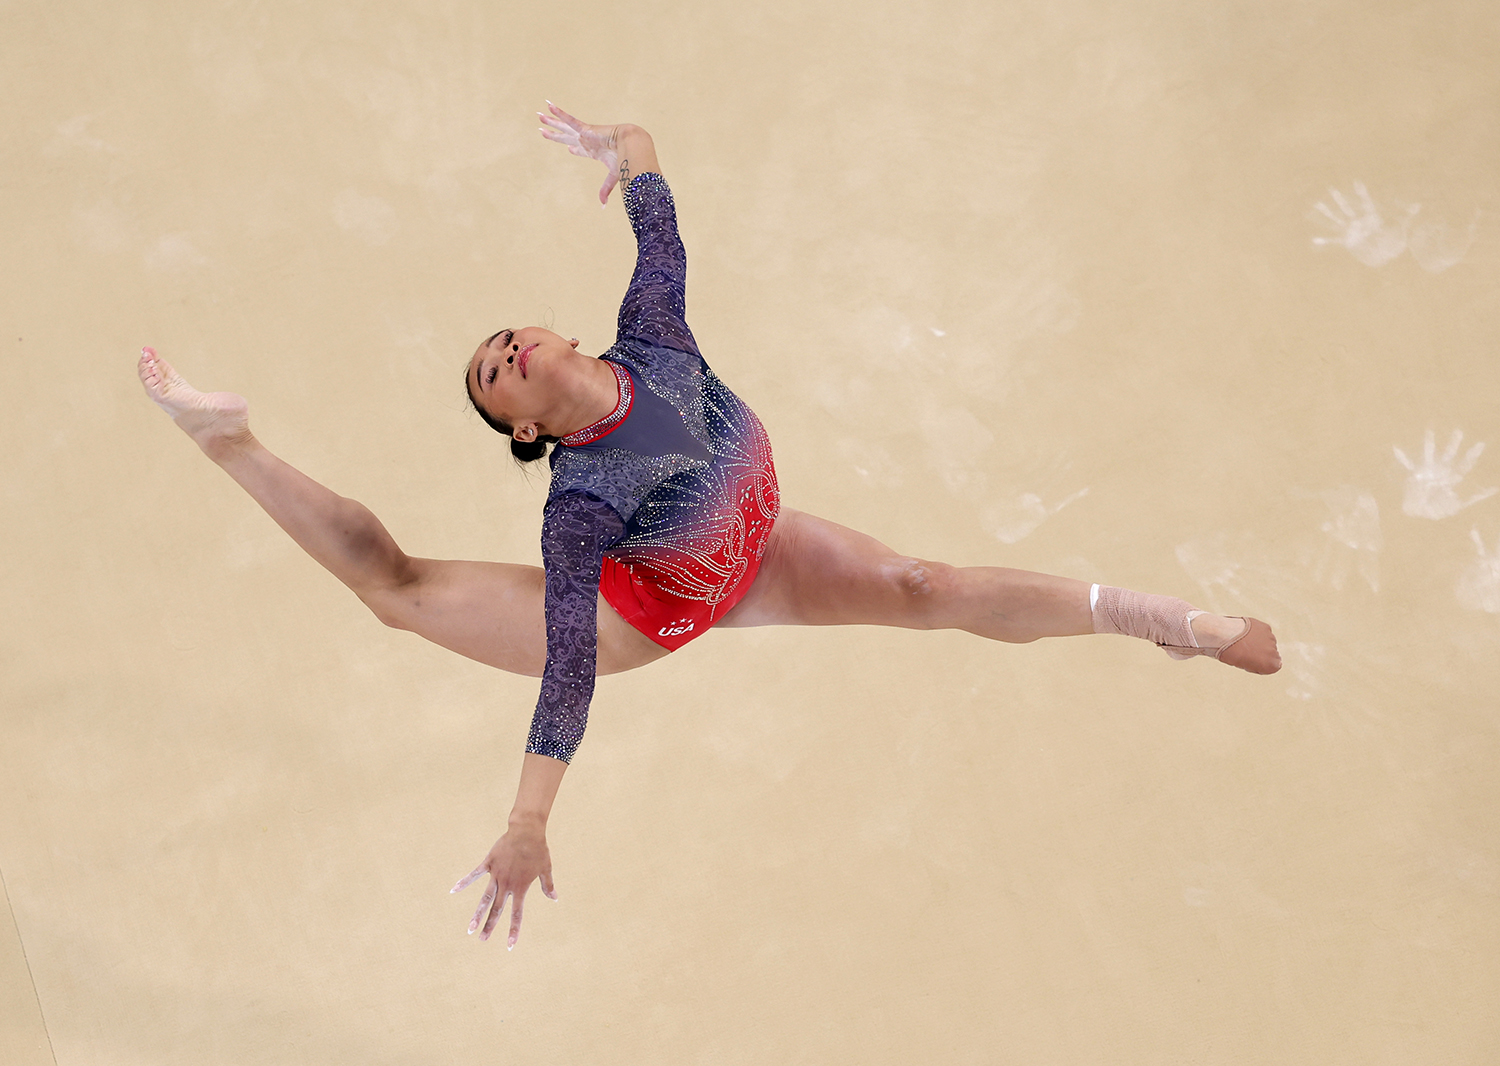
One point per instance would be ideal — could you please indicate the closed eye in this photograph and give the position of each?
(489, 377)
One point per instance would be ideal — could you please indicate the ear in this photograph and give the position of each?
(573, 341)
(525, 433)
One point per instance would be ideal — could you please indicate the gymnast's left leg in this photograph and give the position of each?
(817, 572)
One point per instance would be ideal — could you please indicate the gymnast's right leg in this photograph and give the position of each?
(489, 612)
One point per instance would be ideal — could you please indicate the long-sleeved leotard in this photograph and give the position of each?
(664, 505)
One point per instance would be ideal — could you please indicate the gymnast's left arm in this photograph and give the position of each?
(520, 856)
(625, 149)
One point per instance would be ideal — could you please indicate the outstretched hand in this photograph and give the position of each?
(580, 138)
(517, 859)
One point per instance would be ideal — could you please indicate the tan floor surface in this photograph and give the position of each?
(1029, 284)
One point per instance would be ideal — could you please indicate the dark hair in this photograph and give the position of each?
(523, 451)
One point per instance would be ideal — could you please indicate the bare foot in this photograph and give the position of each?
(1247, 643)
(217, 421)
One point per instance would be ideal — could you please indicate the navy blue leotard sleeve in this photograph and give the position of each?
(655, 305)
(576, 529)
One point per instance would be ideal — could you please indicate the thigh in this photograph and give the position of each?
(494, 613)
(816, 572)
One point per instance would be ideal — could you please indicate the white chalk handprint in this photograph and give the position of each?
(1479, 585)
(1431, 488)
(1353, 538)
(1373, 241)
(1436, 246)
(1369, 238)
(1013, 520)
(1304, 662)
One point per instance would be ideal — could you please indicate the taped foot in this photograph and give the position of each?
(1183, 632)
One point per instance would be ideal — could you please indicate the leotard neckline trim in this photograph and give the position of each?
(609, 422)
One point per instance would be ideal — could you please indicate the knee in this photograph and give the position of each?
(920, 584)
(390, 606)
(396, 598)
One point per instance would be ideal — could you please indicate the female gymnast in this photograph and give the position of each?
(662, 520)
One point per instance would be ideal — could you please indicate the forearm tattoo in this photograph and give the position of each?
(624, 173)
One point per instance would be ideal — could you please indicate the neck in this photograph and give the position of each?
(596, 396)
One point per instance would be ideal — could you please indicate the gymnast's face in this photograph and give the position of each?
(519, 376)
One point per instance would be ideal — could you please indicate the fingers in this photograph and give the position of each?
(1321, 206)
(515, 922)
(484, 902)
(559, 125)
(556, 131)
(469, 880)
(489, 925)
(563, 115)
(516, 901)
(610, 180)
(494, 901)
(565, 130)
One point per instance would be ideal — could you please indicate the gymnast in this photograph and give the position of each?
(662, 521)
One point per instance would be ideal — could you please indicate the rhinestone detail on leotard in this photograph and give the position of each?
(589, 434)
(680, 498)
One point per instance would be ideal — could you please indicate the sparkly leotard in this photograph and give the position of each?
(663, 506)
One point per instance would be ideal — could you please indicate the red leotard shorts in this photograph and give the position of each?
(675, 593)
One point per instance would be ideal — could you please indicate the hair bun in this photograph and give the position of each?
(528, 451)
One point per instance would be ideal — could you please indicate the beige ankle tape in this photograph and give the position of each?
(1159, 619)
